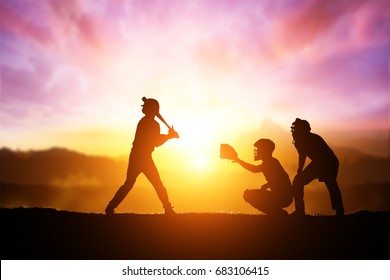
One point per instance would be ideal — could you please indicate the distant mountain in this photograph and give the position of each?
(58, 166)
(62, 167)
(347, 154)
(67, 179)
(358, 169)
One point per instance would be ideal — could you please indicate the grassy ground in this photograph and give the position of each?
(36, 233)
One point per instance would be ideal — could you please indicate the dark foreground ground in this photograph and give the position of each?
(51, 234)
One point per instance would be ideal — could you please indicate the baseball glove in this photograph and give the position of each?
(227, 152)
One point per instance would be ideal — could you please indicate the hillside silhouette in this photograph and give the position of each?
(58, 167)
(50, 234)
(62, 179)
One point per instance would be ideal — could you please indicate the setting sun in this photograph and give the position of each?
(201, 163)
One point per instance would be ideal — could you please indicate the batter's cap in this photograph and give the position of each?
(151, 104)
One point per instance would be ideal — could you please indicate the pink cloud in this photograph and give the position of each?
(323, 27)
(13, 20)
(71, 19)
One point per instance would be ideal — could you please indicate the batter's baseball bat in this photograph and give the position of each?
(169, 127)
(162, 119)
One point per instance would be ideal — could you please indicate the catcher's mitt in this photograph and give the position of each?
(227, 152)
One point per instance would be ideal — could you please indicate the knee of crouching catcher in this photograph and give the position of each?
(246, 195)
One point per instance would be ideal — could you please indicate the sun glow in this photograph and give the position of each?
(194, 158)
(197, 143)
(201, 163)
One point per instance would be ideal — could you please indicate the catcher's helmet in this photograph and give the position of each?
(265, 146)
(151, 105)
(300, 126)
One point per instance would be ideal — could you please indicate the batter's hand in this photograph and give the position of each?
(172, 133)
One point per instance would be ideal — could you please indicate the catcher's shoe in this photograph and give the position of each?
(298, 213)
(280, 212)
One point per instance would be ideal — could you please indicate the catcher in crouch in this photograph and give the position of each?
(276, 194)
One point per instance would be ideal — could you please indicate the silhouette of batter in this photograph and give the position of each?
(147, 137)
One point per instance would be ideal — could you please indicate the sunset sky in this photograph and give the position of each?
(73, 72)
